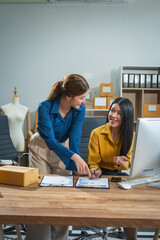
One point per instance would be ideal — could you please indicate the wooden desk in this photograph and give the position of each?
(138, 207)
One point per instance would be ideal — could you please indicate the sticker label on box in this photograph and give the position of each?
(100, 101)
(152, 108)
(106, 89)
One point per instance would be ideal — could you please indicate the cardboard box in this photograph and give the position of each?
(89, 104)
(19, 176)
(151, 110)
(106, 89)
(109, 101)
(100, 103)
(89, 96)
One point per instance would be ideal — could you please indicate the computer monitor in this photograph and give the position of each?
(146, 149)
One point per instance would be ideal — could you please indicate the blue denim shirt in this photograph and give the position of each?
(54, 129)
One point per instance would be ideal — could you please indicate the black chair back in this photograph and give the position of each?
(89, 124)
(7, 149)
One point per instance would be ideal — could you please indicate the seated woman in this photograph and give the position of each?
(111, 145)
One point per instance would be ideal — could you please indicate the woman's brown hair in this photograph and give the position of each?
(72, 85)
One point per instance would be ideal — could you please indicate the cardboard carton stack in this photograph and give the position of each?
(89, 101)
(106, 96)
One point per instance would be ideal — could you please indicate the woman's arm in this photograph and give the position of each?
(94, 157)
(124, 162)
(76, 129)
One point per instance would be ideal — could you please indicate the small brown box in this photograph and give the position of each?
(100, 102)
(106, 89)
(19, 176)
(89, 96)
(151, 110)
(89, 104)
(109, 101)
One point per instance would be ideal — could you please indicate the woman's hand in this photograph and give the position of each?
(120, 160)
(95, 173)
(82, 167)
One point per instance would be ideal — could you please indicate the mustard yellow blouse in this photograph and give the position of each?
(102, 150)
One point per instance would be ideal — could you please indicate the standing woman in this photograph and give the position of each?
(111, 145)
(55, 148)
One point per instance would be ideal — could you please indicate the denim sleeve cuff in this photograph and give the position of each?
(71, 166)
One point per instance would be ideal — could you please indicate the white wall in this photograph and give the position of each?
(39, 43)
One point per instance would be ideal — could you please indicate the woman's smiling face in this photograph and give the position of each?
(114, 116)
(78, 100)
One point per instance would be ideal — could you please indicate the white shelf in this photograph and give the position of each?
(97, 110)
(140, 96)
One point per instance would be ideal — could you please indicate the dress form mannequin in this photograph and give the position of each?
(16, 115)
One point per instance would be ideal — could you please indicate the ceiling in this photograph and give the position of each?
(64, 1)
(24, 1)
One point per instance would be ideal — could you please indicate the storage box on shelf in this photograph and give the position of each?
(89, 101)
(142, 86)
(110, 100)
(101, 103)
(106, 90)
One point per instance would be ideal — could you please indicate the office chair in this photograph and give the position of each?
(89, 124)
(156, 235)
(8, 155)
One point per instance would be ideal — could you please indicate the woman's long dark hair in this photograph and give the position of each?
(72, 85)
(127, 127)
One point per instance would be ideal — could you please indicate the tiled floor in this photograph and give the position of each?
(75, 233)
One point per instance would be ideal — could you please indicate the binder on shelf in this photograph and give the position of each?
(100, 103)
(131, 81)
(142, 81)
(136, 81)
(148, 80)
(125, 80)
(106, 89)
(154, 80)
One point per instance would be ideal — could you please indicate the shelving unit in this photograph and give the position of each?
(140, 96)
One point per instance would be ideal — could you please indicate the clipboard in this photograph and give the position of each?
(85, 182)
(57, 181)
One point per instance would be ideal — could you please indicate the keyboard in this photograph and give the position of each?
(135, 182)
(152, 173)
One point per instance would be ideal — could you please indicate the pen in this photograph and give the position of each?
(94, 171)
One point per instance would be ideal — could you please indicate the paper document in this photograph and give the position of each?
(64, 181)
(93, 183)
